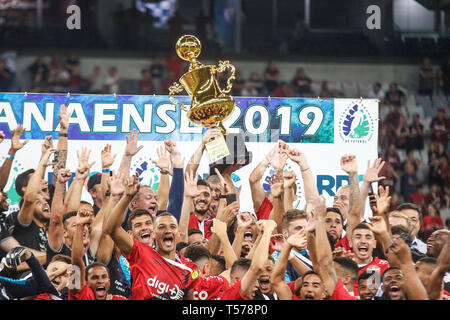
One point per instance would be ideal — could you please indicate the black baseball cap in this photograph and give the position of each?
(22, 181)
(93, 180)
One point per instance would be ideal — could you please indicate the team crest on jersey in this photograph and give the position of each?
(356, 124)
(148, 173)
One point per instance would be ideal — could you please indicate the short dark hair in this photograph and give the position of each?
(336, 210)
(309, 272)
(202, 182)
(409, 205)
(349, 265)
(22, 181)
(181, 245)
(67, 216)
(220, 260)
(137, 213)
(241, 263)
(94, 180)
(429, 260)
(366, 275)
(165, 214)
(401, 230)
(194, 231)
(292, 215)
(197, 253)
(96, 264)
(389, 269)
(361, 225)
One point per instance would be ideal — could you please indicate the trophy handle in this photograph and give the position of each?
(223, 65)
(174, 89)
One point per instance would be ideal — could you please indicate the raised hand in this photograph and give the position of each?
(341, 252)
(190, 185)
(210, 134)
(312, 223)
(279, 242)
(63, 118)
(372, 172)
(378, 225)
(46, 156)
(276, 185)
(131, 149)
(380, 204)
(401, 250)
(47, 144)
(244, 221)
(319, 205)
(84, 217)
(226, 214)
(132, 185)
(298, 240)
(219, 228)
(83, 159)
(116, 183)
(16, 144)
(289, 179)
(299, 158)
(63, 175)
(223, 183)
(266, 225)
(107, 158)
(176, 156)
(348, 163)
(163, 162)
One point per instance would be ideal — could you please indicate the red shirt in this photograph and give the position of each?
(155, 277)
(47, 296)
(343, 243)
(87, 294)
(341, 293)
(429, 222)
(378, 265)
(233, 293)
(446, 295)
(264, 210)
(210, 288)
(204, 226)
(291, 286)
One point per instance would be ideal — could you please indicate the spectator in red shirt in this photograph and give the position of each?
(439, 127)
(418, 197)
(431, 221)
(283, 90)
(301, 83)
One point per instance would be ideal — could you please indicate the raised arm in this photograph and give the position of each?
(348, 164)
(220, 230)
(113, 225)
(130, 150)
(309, 184)
(33, 189)
(177, 187)
(380, 204)
(190, 192)
(243, 222)
(260, 257)
(289, 190)
(163, 163)
(55, 227)
(62, 141)
(83, 222)
(278, 274)
(195, 159)
(414, 287)
(73, 196)
(16, 145)
(434, 286)
(370, 176)
(278, 211)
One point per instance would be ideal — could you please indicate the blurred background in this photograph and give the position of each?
(291, 48)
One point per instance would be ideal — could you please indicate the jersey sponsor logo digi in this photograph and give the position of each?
(162, 287)
(356, 124)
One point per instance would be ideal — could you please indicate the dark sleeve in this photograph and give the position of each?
(39, 283)
(176, 193)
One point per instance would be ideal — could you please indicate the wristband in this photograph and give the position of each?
(62, 135)
(11, 157)
(106, 170)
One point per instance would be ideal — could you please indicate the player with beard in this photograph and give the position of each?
(199, 218)
(31, 222)
(207, 286)
(216, 190)
(159, 273)
(91, 282)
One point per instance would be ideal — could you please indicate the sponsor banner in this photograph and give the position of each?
(323, 129)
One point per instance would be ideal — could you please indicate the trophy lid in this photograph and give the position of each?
(188, 48)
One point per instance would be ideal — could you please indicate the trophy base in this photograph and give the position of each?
(211, 112)
(238, 154)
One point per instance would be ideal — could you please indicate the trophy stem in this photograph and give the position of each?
(221, 127)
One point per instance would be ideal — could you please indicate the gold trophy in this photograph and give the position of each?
(210, 104)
